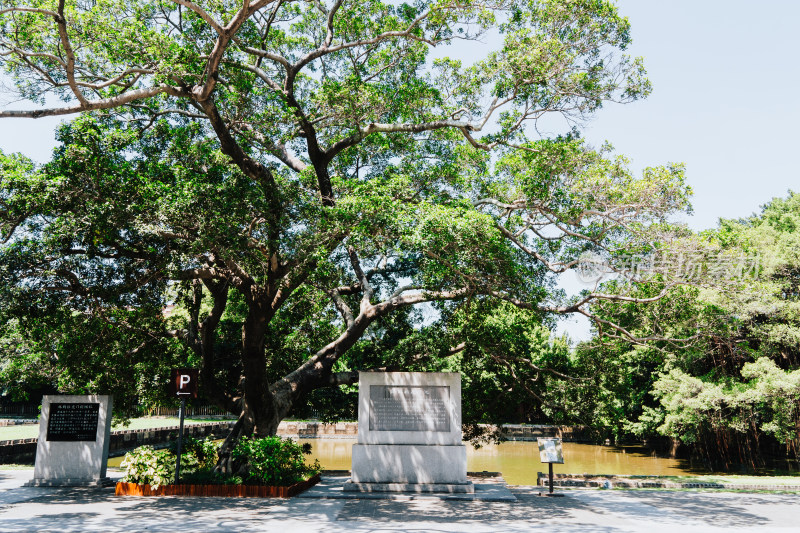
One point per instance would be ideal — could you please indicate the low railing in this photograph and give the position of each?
(191, 410)
(26, 410)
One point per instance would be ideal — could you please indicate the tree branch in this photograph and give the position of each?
(342, 307)
(202, 14)
(365, 285)
(70, 66)
(93, 105)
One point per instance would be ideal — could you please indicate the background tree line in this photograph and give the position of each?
(731, 389)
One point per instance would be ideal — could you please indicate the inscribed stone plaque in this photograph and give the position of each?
(70, 422)
(409, 408)
(72, 448)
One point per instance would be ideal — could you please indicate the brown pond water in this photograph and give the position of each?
(519, 461)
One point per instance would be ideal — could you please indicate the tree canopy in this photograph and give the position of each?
(309, 174)
(731, 389)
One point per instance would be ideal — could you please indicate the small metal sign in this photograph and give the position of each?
(184, 382)
(184, 385)
(550, 450)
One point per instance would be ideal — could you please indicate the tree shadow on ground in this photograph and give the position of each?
(718, 509)
(72, 495)
(528, 507)
(78, 509)
(673, 508)
(587, 511)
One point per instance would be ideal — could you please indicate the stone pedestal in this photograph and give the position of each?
(409, 434)
(72, 449)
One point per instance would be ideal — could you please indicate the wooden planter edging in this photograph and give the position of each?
(231, 491)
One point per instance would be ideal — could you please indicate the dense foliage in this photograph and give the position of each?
(308, 184)
(148, 466)
(274, 461)
(730, 388)
(267, 461)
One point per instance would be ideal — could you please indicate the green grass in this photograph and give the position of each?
(32, 431)
(786, 479)
(16, 467)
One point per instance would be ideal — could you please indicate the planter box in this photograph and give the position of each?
(230, 491)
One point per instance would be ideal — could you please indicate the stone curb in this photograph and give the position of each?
(612, 482)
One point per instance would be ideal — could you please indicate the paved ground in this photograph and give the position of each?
(70, 509)
(487, 489)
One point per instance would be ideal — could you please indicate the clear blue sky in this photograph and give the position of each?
(725, 102)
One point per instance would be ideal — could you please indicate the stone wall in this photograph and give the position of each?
(349, 430)
(17, 421)
(525, 432)
(23, 451)
(318, 430)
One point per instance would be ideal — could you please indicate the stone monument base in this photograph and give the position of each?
(448, 488)
(67, 482)
(72, 449)
(404, 464)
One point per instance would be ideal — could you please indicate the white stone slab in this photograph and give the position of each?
(410, 488)
(409, 408)
(78, 462)
(409, 463)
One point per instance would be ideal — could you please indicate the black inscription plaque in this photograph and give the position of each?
(409, 408)
(73, 421)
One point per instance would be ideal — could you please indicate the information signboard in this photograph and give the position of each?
(550, 450)
(70, 422)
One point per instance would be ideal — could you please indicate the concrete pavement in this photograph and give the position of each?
(92, 509)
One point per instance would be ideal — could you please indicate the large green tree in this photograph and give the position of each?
(724, 377)
(273, 161)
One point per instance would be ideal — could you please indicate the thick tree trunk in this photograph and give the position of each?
(675, 445)
(257, 403)
(258, 415)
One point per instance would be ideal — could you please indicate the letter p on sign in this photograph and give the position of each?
(184, 382)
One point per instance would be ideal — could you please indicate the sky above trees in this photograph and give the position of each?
(723, 102)
(723, 77)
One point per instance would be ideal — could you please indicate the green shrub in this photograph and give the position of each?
(267, 461)
(204, 452)
(203, 477)
(147, 466)
(209, 477)
(274, 461)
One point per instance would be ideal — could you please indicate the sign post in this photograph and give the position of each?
(183, 384)
(550, 451)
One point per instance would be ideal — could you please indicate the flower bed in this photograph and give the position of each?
(230, 491)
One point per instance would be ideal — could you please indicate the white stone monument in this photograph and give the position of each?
(72, 449)
(409, 434)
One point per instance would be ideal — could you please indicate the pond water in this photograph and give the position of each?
(519, 461)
